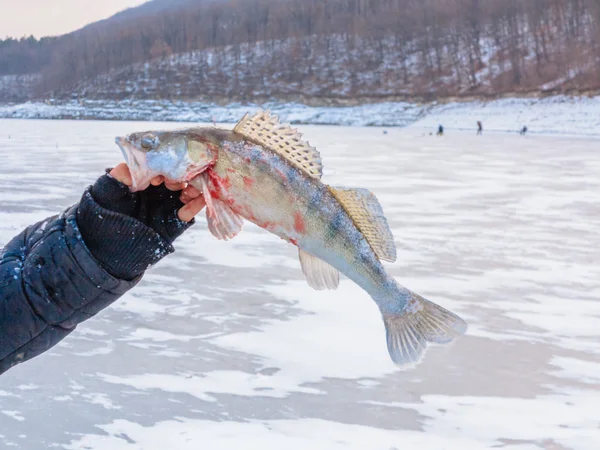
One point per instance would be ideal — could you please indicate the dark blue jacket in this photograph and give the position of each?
(51, 278)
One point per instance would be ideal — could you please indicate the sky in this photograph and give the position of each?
(54, 17)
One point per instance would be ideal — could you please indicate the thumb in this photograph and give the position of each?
(121, 173)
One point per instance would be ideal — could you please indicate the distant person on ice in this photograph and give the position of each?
(523, 131)
(63, 270)
(440, 131)
(479, 128)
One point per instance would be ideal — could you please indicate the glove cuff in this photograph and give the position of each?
(124, 246)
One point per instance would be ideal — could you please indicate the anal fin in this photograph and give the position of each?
(319, 274)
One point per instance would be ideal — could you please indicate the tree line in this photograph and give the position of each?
(449, 46)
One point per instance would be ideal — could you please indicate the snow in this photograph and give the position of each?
(223, 345)
(216, 382)
(396, 114)
(14, 88)
(286, 344)
(185, 434)
(570, 425)
(549, 115)
(13, 414)
(582, 370)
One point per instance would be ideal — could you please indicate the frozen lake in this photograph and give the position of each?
(224, 345)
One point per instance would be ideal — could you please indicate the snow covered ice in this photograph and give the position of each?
(223, 345)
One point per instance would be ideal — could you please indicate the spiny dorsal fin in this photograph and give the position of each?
(366, 213)
(265, 129)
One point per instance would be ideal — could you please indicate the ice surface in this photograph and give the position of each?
(301, 434)
(223, 345)
(551, 115)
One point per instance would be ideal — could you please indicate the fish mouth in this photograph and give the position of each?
(137, 164)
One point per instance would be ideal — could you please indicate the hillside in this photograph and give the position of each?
(339, 51)
(323, 70)
(18, 88)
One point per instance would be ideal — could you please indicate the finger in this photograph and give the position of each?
(174, 186)
(187, 212)
(191, 192)
(121, 173)
(157, 180)
(184, 198)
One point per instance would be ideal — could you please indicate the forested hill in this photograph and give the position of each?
(309, 49)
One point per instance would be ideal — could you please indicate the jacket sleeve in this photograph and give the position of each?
(49, 283)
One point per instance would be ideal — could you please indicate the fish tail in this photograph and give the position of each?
(419, 322)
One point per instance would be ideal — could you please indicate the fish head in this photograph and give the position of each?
(177, 155)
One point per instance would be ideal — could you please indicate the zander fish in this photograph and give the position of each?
(262, 171)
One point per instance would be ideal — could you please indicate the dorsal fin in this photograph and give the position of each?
(265, 129)
(366, 213)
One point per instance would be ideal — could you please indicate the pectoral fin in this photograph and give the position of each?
(319, 274)
(223, 223)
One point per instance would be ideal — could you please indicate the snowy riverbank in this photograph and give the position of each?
(561, 115)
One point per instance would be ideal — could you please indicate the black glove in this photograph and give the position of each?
(155, 206)
(129, 231)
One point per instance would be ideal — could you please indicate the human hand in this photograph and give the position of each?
(126, 231)
(190, 196)
(167, 207)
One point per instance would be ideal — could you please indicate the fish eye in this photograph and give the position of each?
(149, 141)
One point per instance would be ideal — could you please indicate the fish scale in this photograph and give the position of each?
(280, 195)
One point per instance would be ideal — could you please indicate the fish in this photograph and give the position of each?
(262, 171)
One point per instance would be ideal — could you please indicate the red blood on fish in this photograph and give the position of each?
(280, 173)
(219, 185)
(246, 211)
(299, 225)
(269, 226)
(294, 241)
(221, 182)
(248, 182)
(214, 193)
